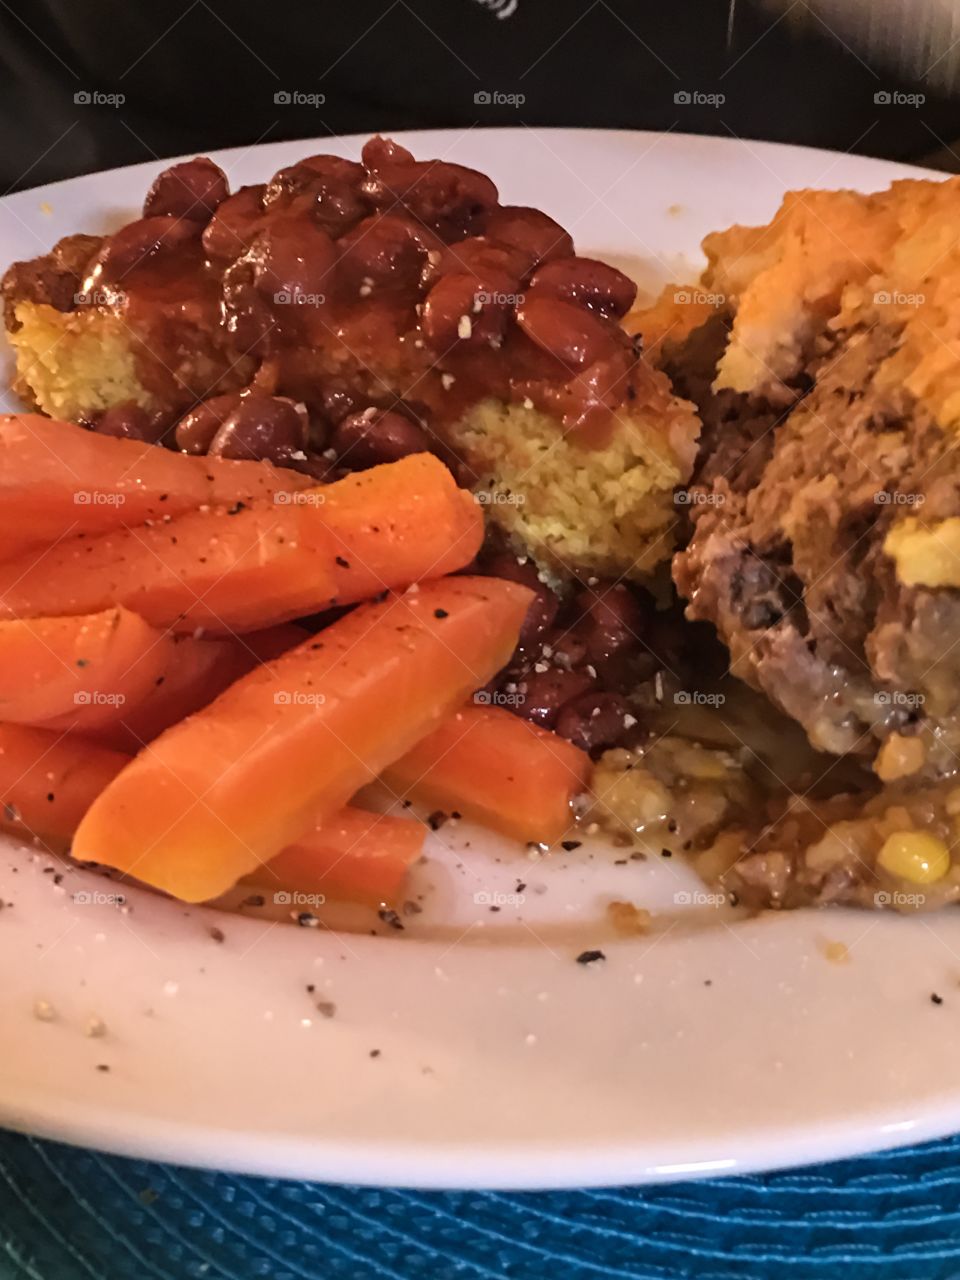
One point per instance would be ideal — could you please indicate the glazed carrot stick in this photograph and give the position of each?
(58, 480)
(289, 744)
(504, 772)
(48, 781)
(353, 854)
(248, 567)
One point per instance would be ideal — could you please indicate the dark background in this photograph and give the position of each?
(199, 74)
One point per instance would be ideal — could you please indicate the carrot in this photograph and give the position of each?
(500, 770)
(199, 672)
(76, 673)
(289, 744)
(48, 781)
(58, 480)
(354, 854)
(250, 567)
(396, 524)
(209, 570)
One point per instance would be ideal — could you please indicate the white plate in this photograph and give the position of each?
(710, 1046)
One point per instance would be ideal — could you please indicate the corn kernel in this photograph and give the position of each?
(915, 856)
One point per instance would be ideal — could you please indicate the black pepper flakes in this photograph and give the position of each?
(441, 613)
(344, 564)
(306, 920)
(935, 999)
(374, 1053)
(216, 934)
(236, 508)
(570, 845)
(390, 917)
(666, 853)
(437, 819)
(590, 957)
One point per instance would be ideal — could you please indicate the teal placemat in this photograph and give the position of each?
(69, 1214)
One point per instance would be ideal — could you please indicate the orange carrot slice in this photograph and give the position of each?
(397, 524)
(290, 743)
(208, 570)
(58, 480)
(253, 566)
(355, 855)
(76, 673)
(48, 781)
(500, 770)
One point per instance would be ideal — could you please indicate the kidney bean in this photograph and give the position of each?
(193, 189)
(575, 337)
(233, 228)
(195, 431)
(613, 619)
(530, 230)
(547, 691)
(337, 402)
(245, 313)
(440, 194)
(386, 251)
(294, 261)
(567, 647)
(379, 151)
(129, 421)
(374, 436)
(263, 429)
(138, 242)
(329, 188)
(543, 608)
(479, 256)
(586, 282)
(462, 309)
(593, 721)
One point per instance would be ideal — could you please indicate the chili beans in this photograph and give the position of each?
(586, 282)
(543, 608)
(613, 618)
(460, 308)
(327, 186)
(262, 429)
(195, 431)
(575, 337)
(129, 421)
(136, 243)
(293, 261)
(441, 195)
(384, 252)
(193, 189)
(232, 229)
(594, 721)
(546, 692)
(530, 230)
(374, 436)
